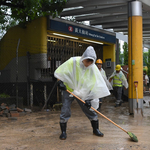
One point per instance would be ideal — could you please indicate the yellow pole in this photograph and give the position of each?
(135, 53)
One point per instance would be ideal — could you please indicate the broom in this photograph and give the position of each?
(132, 136)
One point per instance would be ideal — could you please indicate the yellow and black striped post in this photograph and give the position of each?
(135, 54)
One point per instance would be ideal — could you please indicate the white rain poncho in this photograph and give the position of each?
(121, 77)
(85, 82)
(105, 79)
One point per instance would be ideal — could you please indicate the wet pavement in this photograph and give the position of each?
(40, 130)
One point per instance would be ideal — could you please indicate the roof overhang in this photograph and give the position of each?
(107, 14)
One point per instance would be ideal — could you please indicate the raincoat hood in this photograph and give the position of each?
(88, 54)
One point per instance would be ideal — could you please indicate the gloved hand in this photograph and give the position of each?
(61, 85)
(88, 103)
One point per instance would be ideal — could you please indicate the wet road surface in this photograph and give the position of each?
(41, 131)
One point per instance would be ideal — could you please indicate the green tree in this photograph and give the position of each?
(14, 12)
(121, 59)
(148, 62)
(125, 53)
(145, 58)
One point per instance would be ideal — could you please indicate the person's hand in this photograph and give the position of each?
(110, 79)
(61, 85)
(88, 103)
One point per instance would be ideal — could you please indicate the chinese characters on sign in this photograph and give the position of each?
(86, 32)
(75, 30)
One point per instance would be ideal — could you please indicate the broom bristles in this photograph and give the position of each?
(133, 137)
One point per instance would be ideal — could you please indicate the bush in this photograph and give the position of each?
(3, 95)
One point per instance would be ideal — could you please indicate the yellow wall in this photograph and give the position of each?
(109, 52)
(33, 39)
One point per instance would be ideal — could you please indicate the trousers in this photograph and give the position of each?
(117, 92)
(66, 110)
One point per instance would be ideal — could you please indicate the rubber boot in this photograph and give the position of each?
(99, 108)
(63, 127)
(118, 103)
(95, 126)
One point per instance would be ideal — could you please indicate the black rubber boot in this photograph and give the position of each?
(63, 127)
(117, 105)
(120, 103)
(95, 126)
(99, 108)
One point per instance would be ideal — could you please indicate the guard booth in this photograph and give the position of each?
(45, 44)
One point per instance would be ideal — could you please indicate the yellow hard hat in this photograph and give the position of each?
(99, 61)
(118, 67)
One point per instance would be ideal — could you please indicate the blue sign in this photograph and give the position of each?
(79, 31)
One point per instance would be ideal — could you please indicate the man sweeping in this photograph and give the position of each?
(102, 71)
(80, 76)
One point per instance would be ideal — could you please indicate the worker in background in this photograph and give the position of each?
(80, 76)
(119, 80)
(99, 65)
(145, 81)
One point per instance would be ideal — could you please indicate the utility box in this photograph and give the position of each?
(108, 63)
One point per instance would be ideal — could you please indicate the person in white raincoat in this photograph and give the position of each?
(119, 80)
(81, 76)
(99, 65)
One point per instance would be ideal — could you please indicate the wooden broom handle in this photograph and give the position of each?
(98, 112)
(136, 94)
(136, 84)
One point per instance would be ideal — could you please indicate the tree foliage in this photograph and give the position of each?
(120, 60)
(125, 53)
(14, 12)
(145, 58)
(147, 61)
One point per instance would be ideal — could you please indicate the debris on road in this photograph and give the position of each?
(12, 111)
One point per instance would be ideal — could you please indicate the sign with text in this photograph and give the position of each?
(80, 31)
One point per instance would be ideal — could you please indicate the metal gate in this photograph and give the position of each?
(61, 49)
